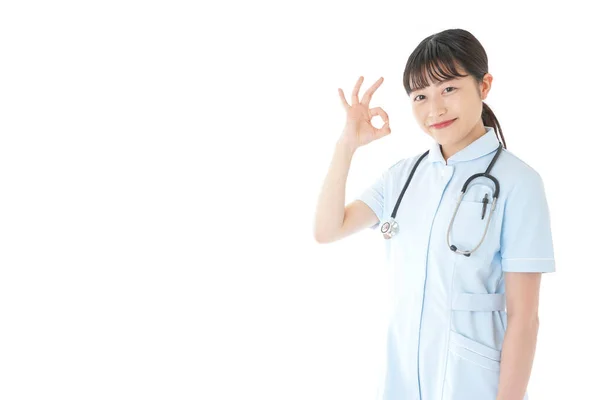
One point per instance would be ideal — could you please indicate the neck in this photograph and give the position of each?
(451, 149)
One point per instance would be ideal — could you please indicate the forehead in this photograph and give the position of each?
(436, 73)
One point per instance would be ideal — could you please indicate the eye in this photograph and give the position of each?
(449, 87)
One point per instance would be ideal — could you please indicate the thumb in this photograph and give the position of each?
(383, 131)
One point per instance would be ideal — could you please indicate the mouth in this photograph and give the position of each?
(443, 124)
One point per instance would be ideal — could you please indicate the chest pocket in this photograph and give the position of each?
(469, 227)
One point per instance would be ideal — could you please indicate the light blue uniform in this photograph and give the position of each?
(448, 315)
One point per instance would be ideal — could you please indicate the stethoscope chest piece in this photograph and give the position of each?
(389, 228)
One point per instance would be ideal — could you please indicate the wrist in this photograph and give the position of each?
(346, 146)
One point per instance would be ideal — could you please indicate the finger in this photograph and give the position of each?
(384, 130)
(344, 102)
(379, 111)
(355, 91)
(369, 93)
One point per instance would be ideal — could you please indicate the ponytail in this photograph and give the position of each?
(489, 119)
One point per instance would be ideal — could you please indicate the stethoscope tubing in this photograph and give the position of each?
(391, 227)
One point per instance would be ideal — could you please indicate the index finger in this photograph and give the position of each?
(369, 93)
(355, 91)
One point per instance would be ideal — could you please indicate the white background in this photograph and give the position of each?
(160, 164)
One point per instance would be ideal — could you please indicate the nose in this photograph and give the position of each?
(437, 108)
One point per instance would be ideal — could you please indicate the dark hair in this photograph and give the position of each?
(438, 55)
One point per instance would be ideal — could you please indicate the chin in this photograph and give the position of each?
(441, 139)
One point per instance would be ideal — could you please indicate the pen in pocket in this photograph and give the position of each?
(485, 201)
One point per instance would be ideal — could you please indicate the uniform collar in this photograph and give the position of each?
(480, 147)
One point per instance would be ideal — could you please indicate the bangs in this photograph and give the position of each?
(432, 65)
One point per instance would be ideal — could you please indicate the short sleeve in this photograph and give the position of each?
(526, 238)
(373, 197)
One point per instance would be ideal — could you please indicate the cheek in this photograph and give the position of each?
(464, 105)
(418, 113)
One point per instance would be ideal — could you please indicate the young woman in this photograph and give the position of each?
(467, 232)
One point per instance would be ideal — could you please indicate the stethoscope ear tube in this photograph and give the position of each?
(487, 175)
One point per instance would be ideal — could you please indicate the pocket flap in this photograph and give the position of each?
(474, 346)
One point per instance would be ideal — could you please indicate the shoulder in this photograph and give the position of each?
(517, 165)
(517, 174)
(404, 164)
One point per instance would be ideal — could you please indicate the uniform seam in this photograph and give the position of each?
(447, 349)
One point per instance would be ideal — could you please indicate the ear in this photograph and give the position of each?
(486, 85)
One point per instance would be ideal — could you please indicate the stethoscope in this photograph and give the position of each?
(391, 227)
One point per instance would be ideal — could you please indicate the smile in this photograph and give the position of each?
(443, 124)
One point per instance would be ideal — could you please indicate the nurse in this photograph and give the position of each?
(461, 327)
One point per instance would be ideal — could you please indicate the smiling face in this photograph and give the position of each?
(459, 99)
